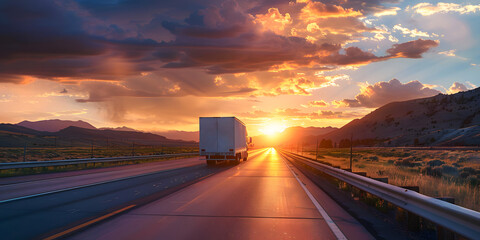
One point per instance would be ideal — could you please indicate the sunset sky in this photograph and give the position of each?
(159, 65)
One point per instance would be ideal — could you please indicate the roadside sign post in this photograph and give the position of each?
(351, 151)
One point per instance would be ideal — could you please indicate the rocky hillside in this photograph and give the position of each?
(442, 120)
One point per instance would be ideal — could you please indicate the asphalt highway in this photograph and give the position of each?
(15, 187)
(46, 214)
(263, 198)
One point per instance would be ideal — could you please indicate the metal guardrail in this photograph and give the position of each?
(458, 219)
(16, 165)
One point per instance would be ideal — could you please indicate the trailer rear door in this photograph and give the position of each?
(209, 135)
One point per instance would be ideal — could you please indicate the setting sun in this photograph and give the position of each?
(272, 129)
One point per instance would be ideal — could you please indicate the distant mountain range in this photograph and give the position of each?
(181, 135)
(15, 135)
(442, 120)
(54, 125)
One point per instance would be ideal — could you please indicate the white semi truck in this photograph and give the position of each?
(223, 139)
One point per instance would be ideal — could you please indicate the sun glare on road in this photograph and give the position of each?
(272, 129)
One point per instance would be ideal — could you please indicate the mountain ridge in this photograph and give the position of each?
(12, 135)
(54, 125)
(419, 122)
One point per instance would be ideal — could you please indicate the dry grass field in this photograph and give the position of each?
(51, 153)
(438, 173)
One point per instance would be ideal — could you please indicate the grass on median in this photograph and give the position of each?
(60, 153)
(49, 153)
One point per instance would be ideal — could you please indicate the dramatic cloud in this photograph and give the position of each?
(387, 12)
(392, 39)
(150, 63)
(352, 56)
(274, 20)
(334, 115)
(320, 103)
(356, 56)
(367, 7)
(410, 32)
(412, 49)
(385, 92)
(450, 53)
(315, 10)
(76, 42)
(298, 114)
(42, 29)
(427, 9)
(457, 87)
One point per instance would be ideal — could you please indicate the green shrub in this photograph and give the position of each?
(449, 169)
(407, 162)
(435, 163)
(432, 171)
(473, 180)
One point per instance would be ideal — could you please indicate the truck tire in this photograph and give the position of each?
(211, 163)
(246, 156)
(237, 159)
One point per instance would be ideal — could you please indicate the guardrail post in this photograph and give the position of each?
(25, 152)
(382, 179)
(443, 233)
(413, 220)
(133, 148)
(361, 173)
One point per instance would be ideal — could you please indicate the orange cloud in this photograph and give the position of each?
(273, 20)
(386, 12)
(385, 92)
(320, 103)
(315, 10)
(457, 87)
(294, 113)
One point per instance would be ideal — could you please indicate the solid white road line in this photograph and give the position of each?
(336, 231)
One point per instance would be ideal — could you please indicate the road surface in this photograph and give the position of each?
(45, 214)
(15, 187)
(262, 198)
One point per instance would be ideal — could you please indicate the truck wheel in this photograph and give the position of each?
(237, 159)
(211, 163)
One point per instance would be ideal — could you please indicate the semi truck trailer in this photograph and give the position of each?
(223, 139)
